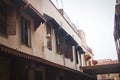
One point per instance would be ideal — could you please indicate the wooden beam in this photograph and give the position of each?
(102, 69)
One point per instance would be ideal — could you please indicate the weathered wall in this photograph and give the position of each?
(51, 10)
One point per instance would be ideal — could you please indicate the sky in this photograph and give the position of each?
(96, 19)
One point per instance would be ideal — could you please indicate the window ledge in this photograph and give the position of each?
(3, 35)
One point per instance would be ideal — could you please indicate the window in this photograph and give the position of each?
(49, 34)
(69, 51)
(60, 43)
(26, 39)
(80, 59)
(2, 20)
(7, 19)
(76, 56)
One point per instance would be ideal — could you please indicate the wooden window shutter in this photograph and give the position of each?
(69, 50)
(11, 21)
(87, 57)
(62, 46)
(57, 43)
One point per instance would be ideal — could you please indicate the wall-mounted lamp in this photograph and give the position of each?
(48, 36)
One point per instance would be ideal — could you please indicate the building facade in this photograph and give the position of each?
(88, 59)
(38, 43)
(108, 76)
(117, 27)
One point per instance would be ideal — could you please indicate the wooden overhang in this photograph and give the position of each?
(94, 62)
(87, 57)
(102, 69)
(59, 29)
(38, 18)
(56, 26)
(19, 3)
(4, 50)
(80, 49)
(31, 11)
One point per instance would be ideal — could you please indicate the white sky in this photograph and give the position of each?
(96, 19)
